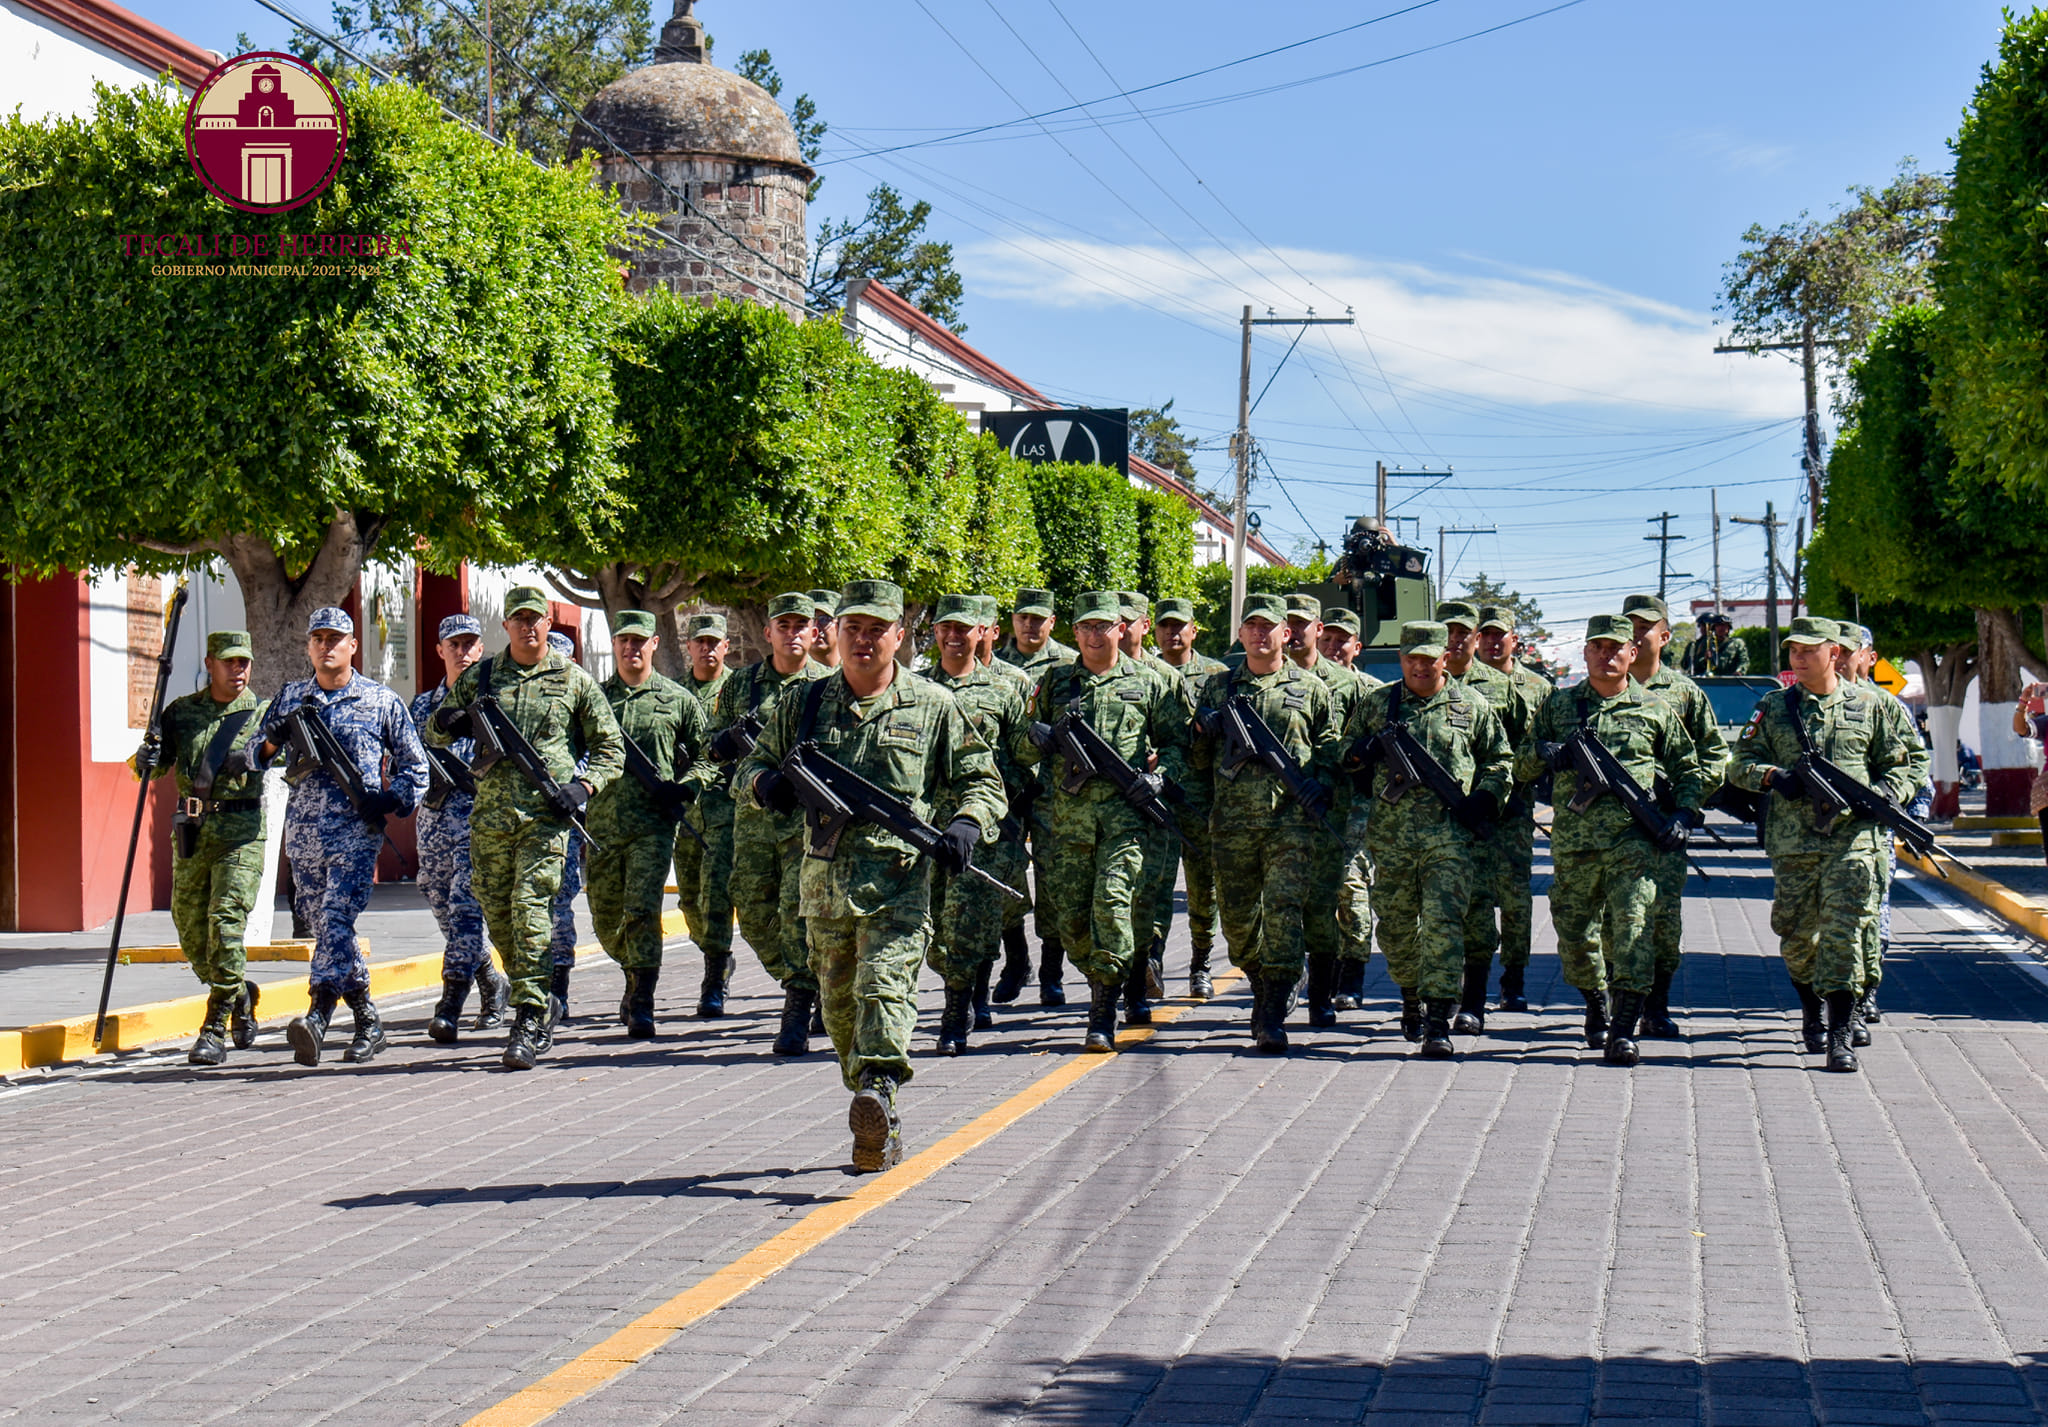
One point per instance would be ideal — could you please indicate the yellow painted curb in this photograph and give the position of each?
(1977, 822)
(1995, 896)
(273, 951)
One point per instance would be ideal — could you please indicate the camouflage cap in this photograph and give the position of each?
(1812, 629)
(1270, 608)
(987, 608)
(1424, 638)
(1849, 636)
(457, 625)
(1136, 606)
(526, 599)
(1099, 604)
(229, 644)
(1458, 612)
(1034, 602)
(877, 599)
(825, 601)
(957, 609)
(1618, 627)
(561, 644)
(330, 616)
(1174, 612)
(1651, 607)
(791, 602)
(634, 621)
(1496, 616)
(1342, 618)
(707, 626)
(1300, 606)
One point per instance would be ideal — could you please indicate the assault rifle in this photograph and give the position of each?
(672, 798)
(1088, 755)
(1834, 795)
(737, 739)
(313, 743)
(498, 739)
(1409, 766)
(447, 775)
(1599, 772)
(1247, 737)
(834, 797)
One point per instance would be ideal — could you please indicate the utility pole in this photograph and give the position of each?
(1241, 443)
(1664, 537)
(1380, 481)
(1443, 576)
(1715, 498)
(1808, 347)
(490, 78)
(1772, 525)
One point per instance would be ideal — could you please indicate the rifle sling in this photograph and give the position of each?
(216, 750)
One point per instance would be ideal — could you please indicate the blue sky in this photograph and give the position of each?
(1529, 226)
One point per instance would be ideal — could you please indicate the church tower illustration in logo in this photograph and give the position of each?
(266, 132)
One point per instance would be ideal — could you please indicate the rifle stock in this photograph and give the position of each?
(834, 798)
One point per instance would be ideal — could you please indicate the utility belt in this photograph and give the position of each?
(192, 813)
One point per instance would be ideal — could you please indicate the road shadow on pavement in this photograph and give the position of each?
(690, 1186)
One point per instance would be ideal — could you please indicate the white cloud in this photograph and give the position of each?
(1733, 154)
(1518, 336)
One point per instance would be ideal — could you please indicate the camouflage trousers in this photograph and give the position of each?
(1262, 893)
(1420, 891)
(212, 894)
(1880, 939)
(517, 868)
(562, 912)
(1824, 909)
(704, 877)
(1354, 904)
(765, 897)
(1322, 927)
(627, 881)
(443, 837)
(1602, 904)
(866, 971)
(1045, 917)
(334, 865)
(1098, 859)
(1198, 871)
(1152, 902)
(1667, 920)
(968, 931)
(1502, 867)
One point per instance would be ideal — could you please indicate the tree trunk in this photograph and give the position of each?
(277, 604)
(2008, 765)
(1945, 674)
(623, 585)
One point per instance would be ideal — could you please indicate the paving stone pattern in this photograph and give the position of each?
(1192, 1234)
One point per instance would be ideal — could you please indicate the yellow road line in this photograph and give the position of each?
(592, 1369)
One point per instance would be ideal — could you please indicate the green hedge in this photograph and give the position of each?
(1166, 544)
(1087, 530)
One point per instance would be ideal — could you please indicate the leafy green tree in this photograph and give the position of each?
(1528, 614)
(759, 66)
(1166, 544)
(887, 243)
(1212, 595)
(454, 402)
(1156, 435)
(1087, 518)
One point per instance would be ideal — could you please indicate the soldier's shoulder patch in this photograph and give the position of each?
(1755, 727)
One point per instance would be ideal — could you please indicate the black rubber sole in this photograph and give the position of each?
(305, 1045)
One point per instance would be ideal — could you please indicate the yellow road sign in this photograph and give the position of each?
(1888, 676)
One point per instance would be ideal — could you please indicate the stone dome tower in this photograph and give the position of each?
(724, 144)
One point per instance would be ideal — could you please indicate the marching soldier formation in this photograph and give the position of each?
(862, 819)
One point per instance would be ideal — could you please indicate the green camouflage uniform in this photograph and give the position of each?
(969, 928)
(1152, 905)
(1096, 839)
(1198, 864)
(1337, 928)
(1696, 716)
(1422, 859)
(1266, 850)
(1604, 884)
(704, 870)
(1702, 658)
(767, 847)
(1825, 905)
(214, 890)
(1033, 668)
(625, 880)
(1355, 871)
(517, 841)
(867, 910)
(1504, 862)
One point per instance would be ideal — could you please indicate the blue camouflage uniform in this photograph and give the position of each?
(562, 944)
(443, 837)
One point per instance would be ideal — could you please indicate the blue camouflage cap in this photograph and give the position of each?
(456, 625)
(562, 644)
(330, 616)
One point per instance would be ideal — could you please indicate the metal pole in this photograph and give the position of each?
(1812, 461)
(1771, 578)
(1380, 480)
(1715, 499)
(1244, 472)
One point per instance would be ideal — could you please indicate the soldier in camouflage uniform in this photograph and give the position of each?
(1340, 644)
(333, 849)
(1175, 630)
(1264, 843)
(1162, 846)
(1605, 888)
(825, 627)
(1859, 665)
(1032, 649)
(704, 869)
(1651, 619)
(968, 929)
(217, 840)
(442, 832)
(1097, 838)
(634, 828)
(868, 908)
(519, 836)
(1716, 650)
(562, 912)
(1513, 853)
(1421, 850)
(1828, 886)
(1332, 925)
(767, 844)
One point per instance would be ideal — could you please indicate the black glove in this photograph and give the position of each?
(1317, 803)
(571, 796)
(239, 762)
(1479, 806)
(1040, 735)
(774, 792)
(728, 744)
(1787, 784)
(1676, 836)
(956, 845)
(1152, 783)
(382, 802)
(1552, 754)
(455, 722)
(152, 749)
(1692, 817)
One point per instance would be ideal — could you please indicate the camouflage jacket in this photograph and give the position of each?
(1516, 701)
(714, 800)
(1696, 717)
(1460, 729)
(994, 702)
(187, 728)
(1137, 713)
(1035, 665)
(756, 689)
(1300, 710)
(1702, 657)
(913, 740)
(1859, 728)
(564, 716)
(371, 724)
(668, 725)
(1643, 733)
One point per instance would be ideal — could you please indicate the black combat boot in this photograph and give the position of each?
(877, 1133)
(954, 1019)
(1271, 1033)
(493, 997)
(1155, 969)
(817, 1027)
(212, 1046)
(1867, 1008)
(1471, 1018)
(1512, 997)
(1137, 1009)
(558, 996)
(1813, 1033)
(1621, 1029)
(1411, 1014)
(1436, 1029)
(984, 1018)
(1200, 987)
(242, 1016)
(447, 1019)
(1657, 1023)
(369, 1037)
(1859, 1033)
(308, 1033)
(636, 1007)
(795, 1036)
(1051, 958)
(1101, 1037)
(711, 990)
(1349, 992)
(1322, 985)
(532, 1036)
(1596, 1019)
(1841, 1026)
(1016, 967)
